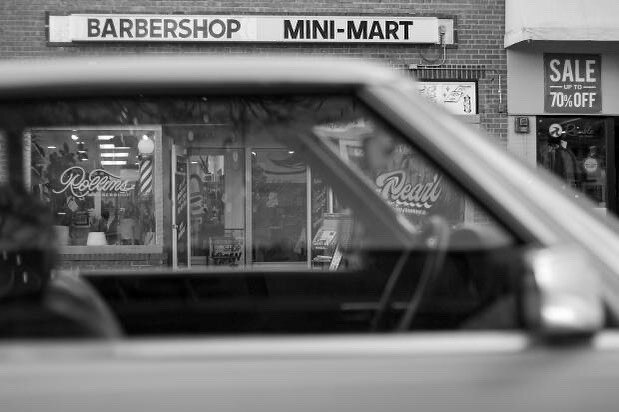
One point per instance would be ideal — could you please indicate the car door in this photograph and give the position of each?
(436, 372)
(388, 267)
(349, 227)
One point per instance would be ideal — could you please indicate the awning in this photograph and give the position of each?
(561, 20)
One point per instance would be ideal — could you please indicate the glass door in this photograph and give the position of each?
(217, 206)
(279, 198)
(579, 151)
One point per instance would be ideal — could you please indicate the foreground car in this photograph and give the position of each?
(317, 199)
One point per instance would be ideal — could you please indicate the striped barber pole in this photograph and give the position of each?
(146, 176)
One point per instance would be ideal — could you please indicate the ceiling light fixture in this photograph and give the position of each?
(114, 154)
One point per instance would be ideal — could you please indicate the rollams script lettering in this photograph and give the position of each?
(82, 184)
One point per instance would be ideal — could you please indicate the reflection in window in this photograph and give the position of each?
(217, 207)
(258, 190)
(575, 150)
(279, 215)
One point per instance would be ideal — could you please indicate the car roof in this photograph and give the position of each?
(70, 75)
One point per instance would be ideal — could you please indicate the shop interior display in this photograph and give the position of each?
(95, 185)
(575, 149)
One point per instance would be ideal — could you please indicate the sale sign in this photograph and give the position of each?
(572, 83)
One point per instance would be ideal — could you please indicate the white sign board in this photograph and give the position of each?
(73, 28)
(456, 97)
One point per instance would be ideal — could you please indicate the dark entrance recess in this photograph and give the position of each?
(581, 150)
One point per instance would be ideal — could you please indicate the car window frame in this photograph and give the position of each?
(346, 174)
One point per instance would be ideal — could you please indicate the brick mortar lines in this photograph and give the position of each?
(480, 25)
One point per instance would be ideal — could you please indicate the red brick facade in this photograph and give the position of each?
(479, 28)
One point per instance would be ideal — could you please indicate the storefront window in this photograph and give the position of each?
(575, 149)
(229, 181)
(98, 183)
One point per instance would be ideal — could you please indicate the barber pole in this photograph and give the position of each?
(146, 176)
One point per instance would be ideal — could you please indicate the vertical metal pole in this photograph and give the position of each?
(308, 209)
(248, 207)
(174, 238)
(26, 141)
(187, 161)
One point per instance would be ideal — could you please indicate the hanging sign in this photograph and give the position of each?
(456, 97)
(73, 28)
(572, 83)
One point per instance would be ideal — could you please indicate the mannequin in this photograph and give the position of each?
(562, 161)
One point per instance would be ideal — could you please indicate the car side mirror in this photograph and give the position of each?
(562, 296)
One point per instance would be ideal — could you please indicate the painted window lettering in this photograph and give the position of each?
(81, 184)
(418, 196)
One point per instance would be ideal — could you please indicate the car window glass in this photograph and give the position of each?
(291, 188)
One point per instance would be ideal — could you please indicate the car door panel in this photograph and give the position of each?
(443, 372)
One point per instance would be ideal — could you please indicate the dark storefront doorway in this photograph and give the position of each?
(242, 206)
(581, 151)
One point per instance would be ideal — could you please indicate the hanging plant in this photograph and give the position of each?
(58, 163)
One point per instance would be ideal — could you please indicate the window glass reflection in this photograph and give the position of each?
(575, 150)
(97, 183)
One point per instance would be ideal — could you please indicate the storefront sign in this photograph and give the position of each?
(555, 130)
(572, 83)
(226, 250)
(241, 28)
(456, 97)
(81, 184)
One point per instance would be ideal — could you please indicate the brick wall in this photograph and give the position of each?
(479, 25)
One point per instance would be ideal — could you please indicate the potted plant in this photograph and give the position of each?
(58, 162)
